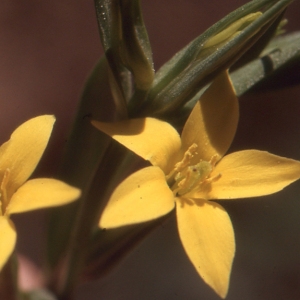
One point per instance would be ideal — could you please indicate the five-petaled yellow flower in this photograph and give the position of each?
(189, 172)
(18, 158)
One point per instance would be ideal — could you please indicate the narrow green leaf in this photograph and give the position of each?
(187, 55)
(135, 47)
(125, 42)
(254, 52)
(109, 23)
(271, 69)
(84, 150)
(85, 146)
(168, 96)
(277, 67)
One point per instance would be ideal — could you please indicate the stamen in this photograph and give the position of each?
(194, 176)
(186, 177)
(214, 160)
(188, 155)
(213, 179)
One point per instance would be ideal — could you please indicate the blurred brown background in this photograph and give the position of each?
(47, 49)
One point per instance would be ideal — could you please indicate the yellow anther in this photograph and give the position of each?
(186, 177)
(180, 166)
(188, 155)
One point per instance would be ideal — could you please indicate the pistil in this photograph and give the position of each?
(191, 178)
(186, 177)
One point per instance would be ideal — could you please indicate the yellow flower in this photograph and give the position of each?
(189, 172)
(18, 158)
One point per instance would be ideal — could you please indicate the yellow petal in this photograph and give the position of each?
(207, 236)
(8, 239)
(213, 121)
(141, 197)
(152, 139)
(252, 173)
(23, 151)
(41, 193)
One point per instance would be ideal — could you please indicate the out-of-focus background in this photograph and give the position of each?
(47, 49)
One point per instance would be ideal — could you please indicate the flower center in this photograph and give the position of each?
(3, 193)
(186, 177)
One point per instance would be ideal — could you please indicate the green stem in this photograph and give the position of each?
(107, 176)
(109, 247)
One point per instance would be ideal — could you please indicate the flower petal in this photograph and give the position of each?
(152, 139)
(252, 173)
(141, 197)
(213, 121)
(23, 151)
(8, 239)
(41, 193)
(207, 236)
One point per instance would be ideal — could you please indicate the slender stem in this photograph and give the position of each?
(106, 178)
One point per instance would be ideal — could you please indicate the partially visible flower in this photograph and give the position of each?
(189, 172)
(30, 277)
(18, 158)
